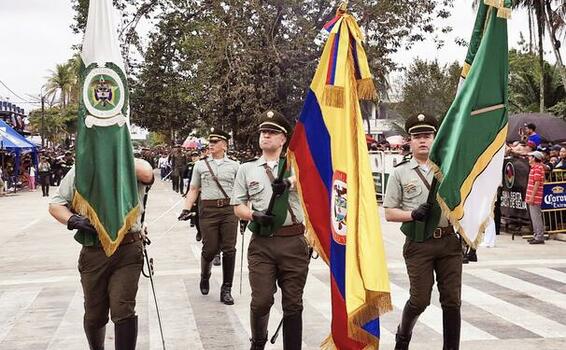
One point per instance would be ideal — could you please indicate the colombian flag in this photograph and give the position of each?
(330, 158)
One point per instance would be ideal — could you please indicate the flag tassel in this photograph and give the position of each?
(366, 89)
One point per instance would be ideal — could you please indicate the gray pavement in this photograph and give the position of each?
(514, 298)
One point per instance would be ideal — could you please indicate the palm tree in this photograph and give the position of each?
(75, 68)
(555, 23)
(538, 9)
(60, 83)
(524, 93)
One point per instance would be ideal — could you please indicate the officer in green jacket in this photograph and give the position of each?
(432, 248)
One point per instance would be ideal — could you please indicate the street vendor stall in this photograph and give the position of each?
(12, 142)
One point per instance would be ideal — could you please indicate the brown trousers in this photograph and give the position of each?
(110, 283)
(281, 260)
(218, 227)
(441, 257)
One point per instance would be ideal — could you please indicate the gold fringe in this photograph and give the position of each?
(334, 96)
(366, 89)
(451, 214)
(81, 206)
(377, 304)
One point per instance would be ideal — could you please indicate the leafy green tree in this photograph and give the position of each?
(58, 123)
(212, 63)
(428, 88)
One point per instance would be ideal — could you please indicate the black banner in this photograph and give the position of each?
(515, 180)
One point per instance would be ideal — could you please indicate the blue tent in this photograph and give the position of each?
(13, 142)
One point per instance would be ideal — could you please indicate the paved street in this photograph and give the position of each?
(514, 298)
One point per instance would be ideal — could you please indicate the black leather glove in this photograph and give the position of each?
(262, 218)
(78, 222)
(279, 186)
(185, 215)
(421, 212)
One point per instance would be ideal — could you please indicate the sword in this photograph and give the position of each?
(276, 334)
(166, 176)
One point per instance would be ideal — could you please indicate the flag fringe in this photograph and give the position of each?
(334, 96)
(81, 206)
(455, 215)
(458, 227)
(481, 164)
(376, 304)
(310, 235)
(366, 89)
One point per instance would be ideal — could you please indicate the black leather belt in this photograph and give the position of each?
(216, 203)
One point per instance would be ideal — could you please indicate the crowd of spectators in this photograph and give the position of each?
(554, 155)
(543, 158)
(50, 167)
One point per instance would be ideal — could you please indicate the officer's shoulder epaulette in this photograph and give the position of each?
(249, 160)
(404, 161)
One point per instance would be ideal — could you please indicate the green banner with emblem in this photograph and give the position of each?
(105, 181)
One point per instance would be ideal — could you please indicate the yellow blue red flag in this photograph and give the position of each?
(329, 155)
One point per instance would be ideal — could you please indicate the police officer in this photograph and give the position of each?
(109, 283)
(178, 165)
(431, 245)
(213, 177)
(194, 209)
(280, 255)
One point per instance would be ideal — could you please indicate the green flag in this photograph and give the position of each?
(105, 181)
(467, 154)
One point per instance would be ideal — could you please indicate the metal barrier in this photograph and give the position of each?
(382, 164)
(554, 202)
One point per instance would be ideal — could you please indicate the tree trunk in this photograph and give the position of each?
(553, 40)
(540, 22)
(530, 30)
